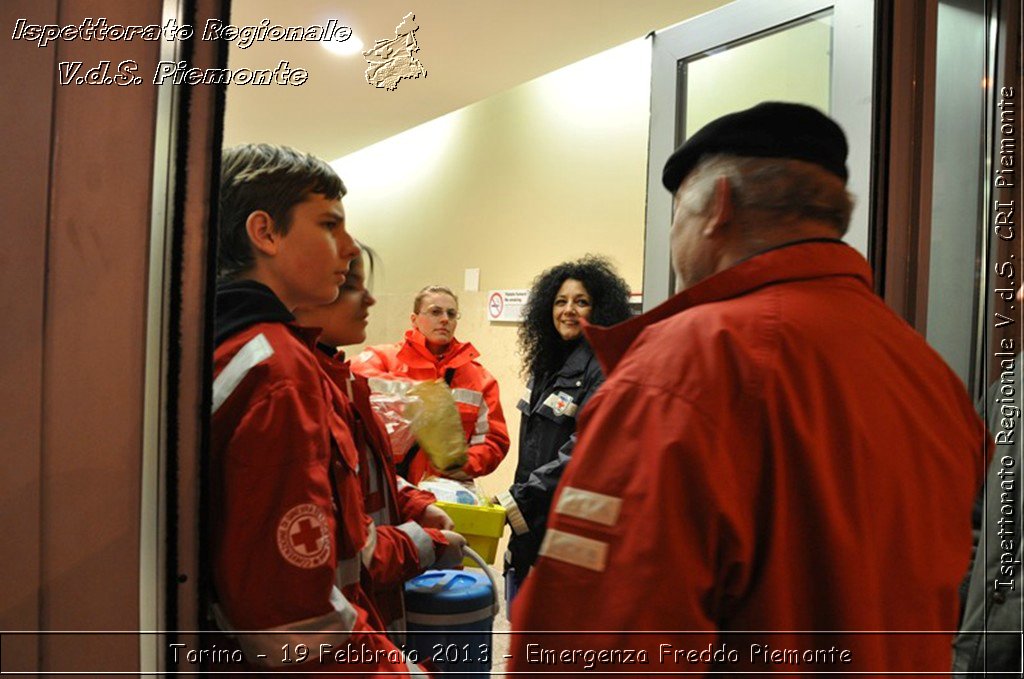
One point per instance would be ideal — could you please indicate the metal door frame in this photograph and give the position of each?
(851, 105)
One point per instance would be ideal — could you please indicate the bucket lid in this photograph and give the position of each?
(448, 591)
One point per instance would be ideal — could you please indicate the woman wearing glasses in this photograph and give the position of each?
(431, 352)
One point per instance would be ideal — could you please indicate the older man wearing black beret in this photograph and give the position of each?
(778, 473)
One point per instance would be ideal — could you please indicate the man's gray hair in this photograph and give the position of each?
(779, 186)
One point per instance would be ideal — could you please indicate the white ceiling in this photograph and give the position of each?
(471, 49)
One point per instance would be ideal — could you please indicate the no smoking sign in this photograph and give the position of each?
(506, 305)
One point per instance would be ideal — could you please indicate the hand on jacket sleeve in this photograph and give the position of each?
(412, 501)
(403, 551)
(453, 552)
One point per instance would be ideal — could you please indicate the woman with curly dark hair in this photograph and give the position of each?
(563, 374)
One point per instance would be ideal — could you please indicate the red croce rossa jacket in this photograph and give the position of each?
(391, 502)
(776, 466)
(393, 367)
(291, 541)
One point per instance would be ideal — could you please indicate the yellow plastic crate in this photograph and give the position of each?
(481, 526)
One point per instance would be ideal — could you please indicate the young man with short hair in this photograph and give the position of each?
(289, 534)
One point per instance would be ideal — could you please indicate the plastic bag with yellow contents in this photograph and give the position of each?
(435, 422)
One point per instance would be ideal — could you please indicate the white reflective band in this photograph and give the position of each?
(254, 352)
(380, 517)
(371, 544)
(477, 439)
(264, 647)
(575, 549)
(382, 385)
(473, 398)
(483, 422)
(588, 505)
(348, 572)
(373, 474)
(419, 537)
(526, 395)
(402, 483)
(512, 513)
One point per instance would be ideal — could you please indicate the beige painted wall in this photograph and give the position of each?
(547, 171)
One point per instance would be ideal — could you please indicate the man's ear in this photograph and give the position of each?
(262, 232)
(721, 208)
(412, 319)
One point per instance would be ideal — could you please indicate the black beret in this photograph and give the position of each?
(772, 129)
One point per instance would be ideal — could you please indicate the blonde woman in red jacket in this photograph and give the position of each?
(431, 352)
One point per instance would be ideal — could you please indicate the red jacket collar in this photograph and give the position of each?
(800, 261)
(415, 354)
(308, 334)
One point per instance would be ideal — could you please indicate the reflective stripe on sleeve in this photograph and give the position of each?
(419, 537)
(477, 439)
(254, 352)
(588, 505)
(348, 572)
(371, 544)
(469, 396)
(373, 474)
(575, 549)
(380, 517)
(512, 513)
(483, 422)
(264, 647)
(382, 385)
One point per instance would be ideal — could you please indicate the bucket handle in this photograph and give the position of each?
(496, 606)
(443, 582)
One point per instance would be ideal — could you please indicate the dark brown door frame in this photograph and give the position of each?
(201, 120)
(903, 166)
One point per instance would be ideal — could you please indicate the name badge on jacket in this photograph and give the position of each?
(561, 403)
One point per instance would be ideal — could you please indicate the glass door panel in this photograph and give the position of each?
(792, 63)
(817, 52)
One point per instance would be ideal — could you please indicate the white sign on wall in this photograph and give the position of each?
(506, 305)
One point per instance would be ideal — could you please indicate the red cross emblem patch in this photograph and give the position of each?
(562, 403)
(303, 537)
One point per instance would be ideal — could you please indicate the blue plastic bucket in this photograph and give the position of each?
(449, 616)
